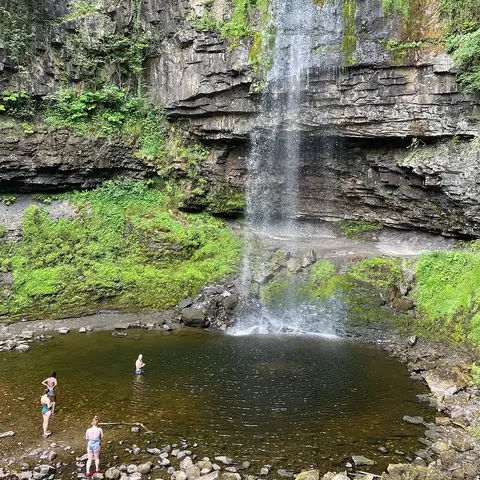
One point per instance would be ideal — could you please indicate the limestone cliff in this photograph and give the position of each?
(376, 130)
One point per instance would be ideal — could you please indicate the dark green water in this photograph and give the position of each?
(288, 401)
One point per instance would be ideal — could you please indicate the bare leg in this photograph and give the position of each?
(46, 418)
(97, 459)
(89, 461)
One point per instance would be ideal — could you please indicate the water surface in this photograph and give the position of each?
(284, 400)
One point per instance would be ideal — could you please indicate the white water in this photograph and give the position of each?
(302, 31)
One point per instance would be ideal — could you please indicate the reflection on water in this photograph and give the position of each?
(302, 400)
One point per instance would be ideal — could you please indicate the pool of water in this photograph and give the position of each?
(284, 400)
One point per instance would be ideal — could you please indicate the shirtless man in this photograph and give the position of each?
(139, 365)
(51, 384)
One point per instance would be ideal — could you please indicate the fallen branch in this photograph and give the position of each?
(111, 424)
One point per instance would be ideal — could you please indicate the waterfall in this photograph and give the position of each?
(308, 38)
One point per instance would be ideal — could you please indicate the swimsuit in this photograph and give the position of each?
(45, 408)
(139, 372)
(93, 444)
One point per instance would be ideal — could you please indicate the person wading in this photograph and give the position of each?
(46, 412)
(94, 436)
(139, 365)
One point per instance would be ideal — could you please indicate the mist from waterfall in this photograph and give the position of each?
(307, 39)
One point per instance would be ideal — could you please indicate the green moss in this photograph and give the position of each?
(322, 282)
(349, 39)
(382, 272)
(358, 230)
(283, 291)
(226, 201)
(125, 250)
(447, 295)
(400, 7)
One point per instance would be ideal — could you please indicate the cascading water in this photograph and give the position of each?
(307, 37)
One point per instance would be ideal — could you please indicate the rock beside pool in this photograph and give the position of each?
(360, 460)
(112, 473)
(413, 420)
(63, 330)
(308, 475)
(193, 317)
(446, 380)
(145, 468)
(82, 330)
(10, 433)
(22, 347)
(27, 335)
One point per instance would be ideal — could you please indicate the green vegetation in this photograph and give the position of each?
(381, 272)
(400, 7)
(19, 21)
(475, 375)
(283, 292)
(17, 104)
(125, 249)
(349, 39)
(447, 295)
(462, 20)
(108, 112)
(358, 230)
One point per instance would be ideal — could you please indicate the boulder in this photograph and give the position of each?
(22, 347)
(112, 473)
(360, 460)
(413, 420)
(308, 475)
(309, 259)
(193, 317)
(446, 380)
(145, 468)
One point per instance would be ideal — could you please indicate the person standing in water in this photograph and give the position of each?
(94, 436)
(46, 412)
(51, 384)
(139, 365)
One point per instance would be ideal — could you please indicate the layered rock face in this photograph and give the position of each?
(392, 88)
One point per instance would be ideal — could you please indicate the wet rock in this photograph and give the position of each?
(413, 420)
(204, 464)
(382, 449)
(285, 473)
(136, 450)
(225, 460)
(210, 476)
(294, 265)
(308, 475)
(82, 330)
(265, 470)
(230, 476)
(360, 460)
(404, 304)
(179, 475)
(155, 451)
(22, 347)
(193, 317)
(63, 330)
(112, 473)
(10, 433)
(412, 341)
(145, 468)
(89, 328)
(27, 335)
(309, 259)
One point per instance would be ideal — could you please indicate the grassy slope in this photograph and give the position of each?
(124, 250)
